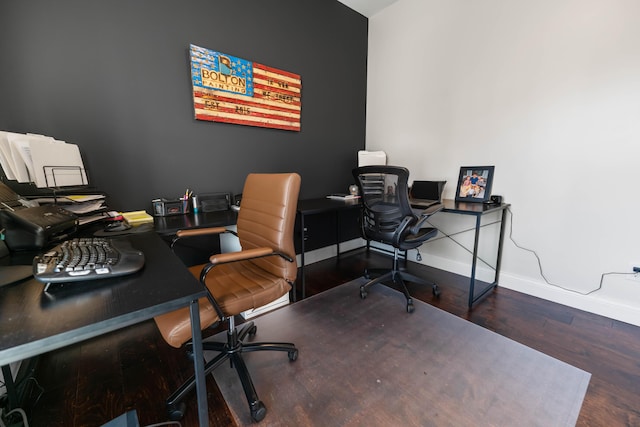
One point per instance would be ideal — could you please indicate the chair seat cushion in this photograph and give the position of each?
(241, 286)
(237, 287)
(414, 240)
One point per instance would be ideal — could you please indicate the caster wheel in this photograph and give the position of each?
(258, 411)
(436, 291)
(176, 411)
(363, 293)
(410, 306)
(293, 355)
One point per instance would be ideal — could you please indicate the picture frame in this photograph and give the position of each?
(474, 184)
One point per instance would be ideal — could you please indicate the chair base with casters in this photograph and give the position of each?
(231, 350)
(399, 277)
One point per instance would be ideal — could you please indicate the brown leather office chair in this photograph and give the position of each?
(263, 271)
(387, 217)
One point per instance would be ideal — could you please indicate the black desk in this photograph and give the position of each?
(479, 210)
(318, 206)
(324, 205)
(33, 322)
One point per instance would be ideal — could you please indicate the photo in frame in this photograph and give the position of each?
(474, 184)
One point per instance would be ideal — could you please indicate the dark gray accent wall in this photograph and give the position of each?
(113, 77)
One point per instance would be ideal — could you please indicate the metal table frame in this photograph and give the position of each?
(479, 210)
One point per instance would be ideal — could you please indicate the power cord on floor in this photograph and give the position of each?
(450, 236)
(542, 273)
(20, 411)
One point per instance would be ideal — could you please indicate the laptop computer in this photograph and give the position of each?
(424, 194)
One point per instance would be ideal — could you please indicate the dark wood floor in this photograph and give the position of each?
(97, 380)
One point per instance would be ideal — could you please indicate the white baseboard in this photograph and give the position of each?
(327, 252)
(537, 288)
(592, 304)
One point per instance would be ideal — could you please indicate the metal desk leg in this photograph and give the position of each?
(500, 244)
(473, 298)
(198, 362)
(337, 234)
(302, 237)
(474, 261)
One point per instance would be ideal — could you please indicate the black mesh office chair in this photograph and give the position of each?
(387, 217)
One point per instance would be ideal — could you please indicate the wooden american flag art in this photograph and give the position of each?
(233, 90)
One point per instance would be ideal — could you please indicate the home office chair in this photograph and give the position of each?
(263, 271)
(387, 217)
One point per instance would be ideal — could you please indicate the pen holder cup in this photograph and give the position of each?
(185, 205)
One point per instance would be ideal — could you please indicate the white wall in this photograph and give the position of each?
(548, 91)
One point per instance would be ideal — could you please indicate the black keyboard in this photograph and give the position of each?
(90, 258)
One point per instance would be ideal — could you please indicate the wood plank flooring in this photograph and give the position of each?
(97, 380)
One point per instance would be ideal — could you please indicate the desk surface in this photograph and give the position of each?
(168, 225)
(319, 205)
(33, 322)
(468, 208)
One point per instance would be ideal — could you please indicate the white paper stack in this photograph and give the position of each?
(42, 160)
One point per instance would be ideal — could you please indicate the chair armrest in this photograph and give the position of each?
(192, 232)
(200, 231)
(240, 255)
(432, 209)
(424, 215)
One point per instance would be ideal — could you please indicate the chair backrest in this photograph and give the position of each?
(386, 209)
(267, 217)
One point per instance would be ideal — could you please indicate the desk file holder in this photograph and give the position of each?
(165, 207)
(54, 183)
(77, 175)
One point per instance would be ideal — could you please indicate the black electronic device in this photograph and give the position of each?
(90, 258)
(425, 194)
(213, 202)
(37, 227)
(494, 200)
